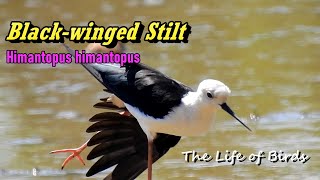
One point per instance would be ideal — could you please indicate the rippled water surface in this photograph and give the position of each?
(267, 52)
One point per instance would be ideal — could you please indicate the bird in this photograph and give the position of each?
(153, 109)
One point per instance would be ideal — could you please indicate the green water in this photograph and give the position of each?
(267, 52)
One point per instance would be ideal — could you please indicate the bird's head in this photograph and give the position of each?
(216, 93)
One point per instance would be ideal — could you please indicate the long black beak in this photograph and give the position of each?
(225, 107)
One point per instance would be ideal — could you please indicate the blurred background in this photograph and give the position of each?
(266, 51)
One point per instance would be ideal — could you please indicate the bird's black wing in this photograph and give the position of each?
(147, 89)
(136, 164)
(141, 86)
(120, 141)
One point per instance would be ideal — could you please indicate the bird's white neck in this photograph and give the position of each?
(196, 106)
(194, 116)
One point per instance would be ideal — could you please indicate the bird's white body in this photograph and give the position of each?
(193, 117)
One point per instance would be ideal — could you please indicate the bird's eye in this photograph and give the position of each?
(209, 95)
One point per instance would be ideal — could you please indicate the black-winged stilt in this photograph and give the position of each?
(152, 104)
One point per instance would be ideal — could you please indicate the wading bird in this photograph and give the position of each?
(153, 112)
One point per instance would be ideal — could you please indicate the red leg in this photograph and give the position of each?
(75, 153)
(150, 160)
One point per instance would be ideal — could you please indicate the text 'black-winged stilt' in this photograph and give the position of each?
(154, 111)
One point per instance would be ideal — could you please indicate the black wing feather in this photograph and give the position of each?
(137, 163)
(120, 141)
(128, 149)
(147, 89)
(139, 85)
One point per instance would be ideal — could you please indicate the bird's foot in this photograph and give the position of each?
(74, 153)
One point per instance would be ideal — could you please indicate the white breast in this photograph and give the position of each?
(189, 119)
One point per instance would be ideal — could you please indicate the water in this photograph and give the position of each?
(267, 52)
